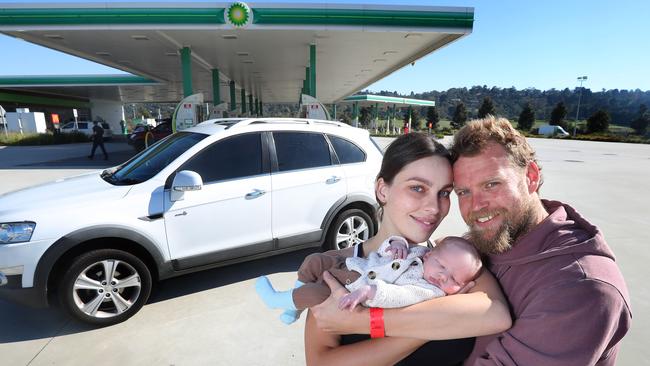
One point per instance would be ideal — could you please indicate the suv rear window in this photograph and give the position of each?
(299, 150)
(346, 151)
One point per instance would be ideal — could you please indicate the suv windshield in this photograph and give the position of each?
(152, 160)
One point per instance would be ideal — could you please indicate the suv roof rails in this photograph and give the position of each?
(251, 121)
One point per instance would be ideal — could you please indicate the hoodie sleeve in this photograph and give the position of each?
(573, 323)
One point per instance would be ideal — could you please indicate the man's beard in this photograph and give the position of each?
(515, 224)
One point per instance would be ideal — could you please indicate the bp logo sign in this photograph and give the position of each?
(238, 15)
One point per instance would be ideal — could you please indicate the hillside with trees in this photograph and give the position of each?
(621, 105)
(458, 105)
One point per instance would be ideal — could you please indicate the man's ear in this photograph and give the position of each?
(381, 190)
(533, 177)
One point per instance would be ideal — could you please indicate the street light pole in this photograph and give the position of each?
(581, 79)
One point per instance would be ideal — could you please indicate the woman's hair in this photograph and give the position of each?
(405, 150)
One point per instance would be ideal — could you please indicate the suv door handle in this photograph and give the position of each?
(255, 194)
(333, 179)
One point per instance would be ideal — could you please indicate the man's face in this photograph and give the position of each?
(495, 198)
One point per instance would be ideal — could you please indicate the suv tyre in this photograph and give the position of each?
(105, 287)
(350, 227)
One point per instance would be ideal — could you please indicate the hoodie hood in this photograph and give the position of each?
(562, 232)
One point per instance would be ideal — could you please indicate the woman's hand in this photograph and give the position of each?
(330, 318)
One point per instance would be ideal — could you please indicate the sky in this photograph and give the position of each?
(514, 43)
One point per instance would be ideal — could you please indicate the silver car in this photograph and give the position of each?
(86, 128)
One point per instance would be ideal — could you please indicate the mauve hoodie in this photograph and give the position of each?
(567, 297)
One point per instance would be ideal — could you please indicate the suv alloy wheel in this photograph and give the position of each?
(105, 287)
(351, 227)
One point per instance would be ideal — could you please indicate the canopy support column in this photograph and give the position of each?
(312, 70)
(233, 99)
(186, 66)
(376, 117)
(216, 90)
(243, 101)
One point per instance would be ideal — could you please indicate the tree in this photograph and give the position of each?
(365, 114)
(598, 122)
(143, 111)
(487, 107)
(432, 117)
(640, 124)
(460, 116)
(414, 117)
(526, 118)
(558, 114)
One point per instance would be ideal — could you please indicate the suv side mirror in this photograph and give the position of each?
(185, 180)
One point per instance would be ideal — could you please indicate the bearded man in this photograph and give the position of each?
(568, 299)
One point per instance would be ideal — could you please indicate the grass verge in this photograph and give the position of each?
(36, 139)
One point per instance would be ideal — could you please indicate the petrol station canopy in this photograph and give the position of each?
(272, 52)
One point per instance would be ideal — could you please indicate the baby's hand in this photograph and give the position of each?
(356, 297)
(399, 247)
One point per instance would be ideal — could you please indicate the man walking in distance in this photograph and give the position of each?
(568, 299)
(98, 140)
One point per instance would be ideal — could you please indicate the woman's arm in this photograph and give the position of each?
(322, 348)
(482, 311)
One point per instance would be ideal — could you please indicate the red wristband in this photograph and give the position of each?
(377, 323)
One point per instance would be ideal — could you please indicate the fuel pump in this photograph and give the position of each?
(189, 112)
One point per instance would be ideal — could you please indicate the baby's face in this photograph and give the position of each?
(449, 268)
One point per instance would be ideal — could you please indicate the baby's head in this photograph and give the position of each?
(452, 264)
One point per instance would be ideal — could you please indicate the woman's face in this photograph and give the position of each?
(417, 200)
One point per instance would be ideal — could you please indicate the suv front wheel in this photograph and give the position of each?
(350, 227)
(105, 287)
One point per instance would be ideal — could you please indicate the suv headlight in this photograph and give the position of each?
(16, 232)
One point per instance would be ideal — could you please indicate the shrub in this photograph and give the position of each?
(610, 137)
(446, 131)
(34, 139)
(598, 122)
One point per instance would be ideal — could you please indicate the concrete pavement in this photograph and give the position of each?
(214, 317)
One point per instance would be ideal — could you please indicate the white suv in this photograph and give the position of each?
(218, 193)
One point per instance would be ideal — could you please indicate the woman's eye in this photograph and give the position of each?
(445, 194)
(417, 189)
